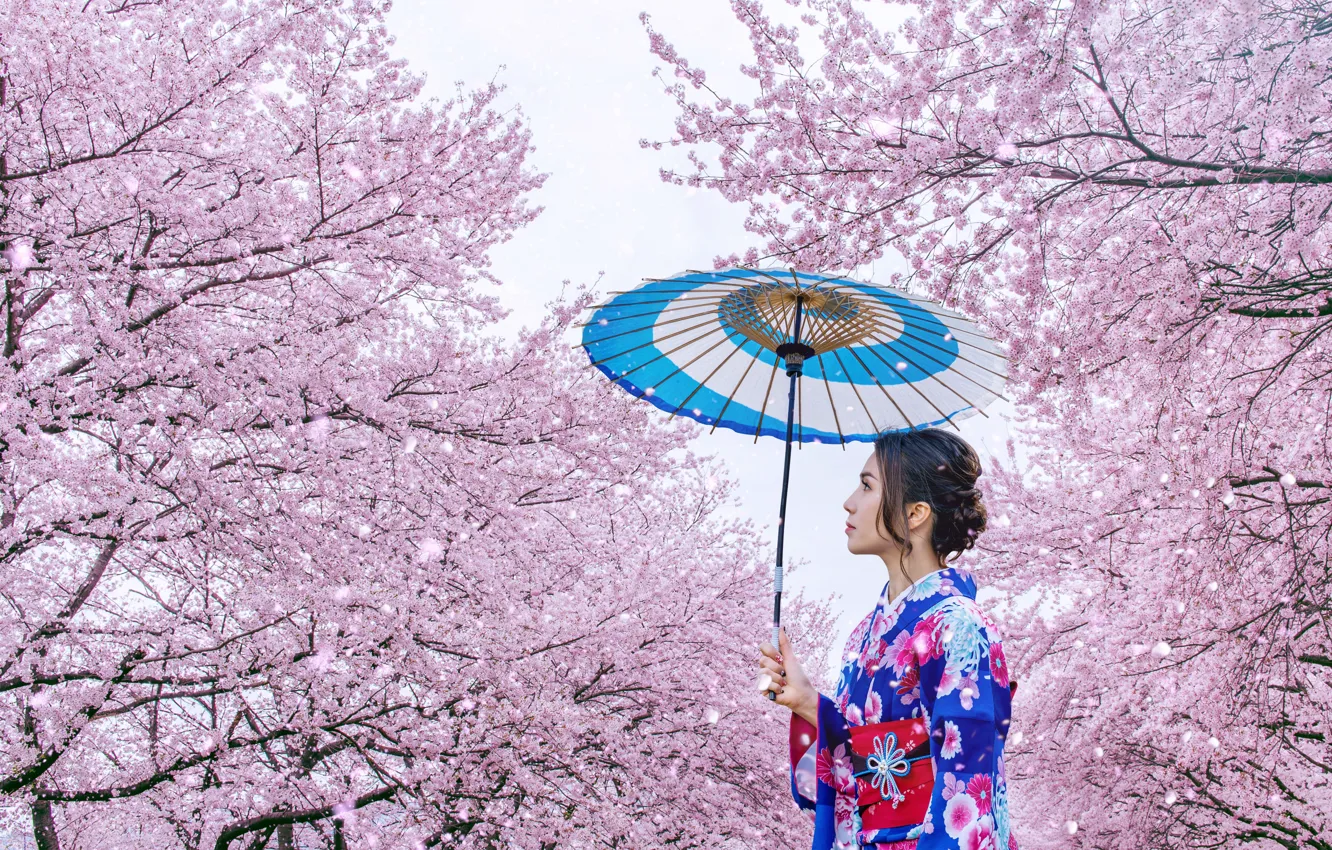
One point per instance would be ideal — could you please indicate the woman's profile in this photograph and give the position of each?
(908, 753)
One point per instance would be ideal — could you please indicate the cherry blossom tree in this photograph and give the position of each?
(1133, 198)
(291, 553)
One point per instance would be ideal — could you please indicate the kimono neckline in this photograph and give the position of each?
(963, 580)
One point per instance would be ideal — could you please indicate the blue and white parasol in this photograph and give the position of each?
(862, 359)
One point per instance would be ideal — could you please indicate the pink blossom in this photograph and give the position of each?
(20, 255)
(959, 813)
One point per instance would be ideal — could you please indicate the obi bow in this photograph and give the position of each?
(885, 763)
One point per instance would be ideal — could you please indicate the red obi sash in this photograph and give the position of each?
(894, 772)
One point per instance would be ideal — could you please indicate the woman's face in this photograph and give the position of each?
(863, 523)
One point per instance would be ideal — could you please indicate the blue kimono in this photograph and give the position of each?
(930, 653)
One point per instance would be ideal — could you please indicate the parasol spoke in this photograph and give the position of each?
(648, 343)
(763, 411)
(670, 321)
(693, 302)
(920, 393)
(831, 404)
(957, 372)
(738, 384)
(854, 388)
(704, 382)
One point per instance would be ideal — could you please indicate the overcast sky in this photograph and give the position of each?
(582, 73)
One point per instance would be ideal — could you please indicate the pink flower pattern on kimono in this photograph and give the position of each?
(981, 790)
(952, 742)
(968, 690)
(999, 664)
(902, 653)
(959, 814)
(952, 785)
(979, 835)
(873, 653)
(843, 700)
(873, 708)
(908, 687)
(834, 768)
(846, 818)
(930, 654)
(861, 629)
(923, 642)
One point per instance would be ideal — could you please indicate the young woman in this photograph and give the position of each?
(908, 754)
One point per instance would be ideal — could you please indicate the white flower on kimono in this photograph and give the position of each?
(873, 707)
(937, 583)
(952, 741)
(979, 835)
(959, 814)
(853, 716)
(952, 785)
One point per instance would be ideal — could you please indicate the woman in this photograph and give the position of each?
(908, 755)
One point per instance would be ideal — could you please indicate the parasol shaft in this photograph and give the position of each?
(793, 368)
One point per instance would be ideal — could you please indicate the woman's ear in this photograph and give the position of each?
(918, 515)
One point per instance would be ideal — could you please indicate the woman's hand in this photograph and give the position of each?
(787, 678)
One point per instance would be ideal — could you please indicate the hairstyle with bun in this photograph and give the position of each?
(936, 467)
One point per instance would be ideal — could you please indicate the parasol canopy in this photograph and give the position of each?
(704, 344)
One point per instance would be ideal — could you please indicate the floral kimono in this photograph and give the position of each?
(932, 654)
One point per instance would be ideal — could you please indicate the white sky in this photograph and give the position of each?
(581, 71)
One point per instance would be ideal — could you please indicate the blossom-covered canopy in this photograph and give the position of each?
(930, 653)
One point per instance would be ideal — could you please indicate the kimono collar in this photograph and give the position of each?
(948, 581)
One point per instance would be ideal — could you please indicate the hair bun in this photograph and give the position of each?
(972, 515)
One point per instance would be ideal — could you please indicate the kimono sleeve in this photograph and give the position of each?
(821, 767)
(957, 693)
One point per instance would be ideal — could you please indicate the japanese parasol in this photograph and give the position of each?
(861, 359)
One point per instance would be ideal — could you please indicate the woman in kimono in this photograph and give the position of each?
(908, 753)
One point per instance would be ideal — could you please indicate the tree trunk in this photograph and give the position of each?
(43, 826)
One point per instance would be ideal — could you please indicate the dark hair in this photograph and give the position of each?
(936, 467)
